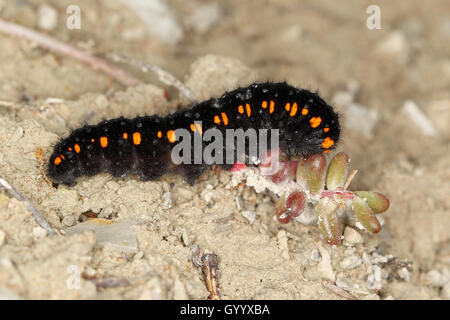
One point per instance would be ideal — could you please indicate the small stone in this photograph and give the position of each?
(374, 278)
(404, 274)
(343, 282)
(101, 101)
(204, 17)
(351, 236)
(114, 186)
(166, 200)
(395, 44)
(47, 17)
(283, 245)
(324, 267)
(68, 221)
(139, 255)
(185, 238)
(39, 233)
(2, 237)
(207, 194)
(435, 278)
(315, 255)
(249, 215)
(350, 262)
(412, 110)
(117, 235)
(361, 119)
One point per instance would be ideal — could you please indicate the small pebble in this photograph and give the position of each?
(114, 186)
(68, 221)
(374, 278)
(324, 267)
(283, 245)
(204, 17)
(361, 119)
(39, 233)
(412, 110)
(2, 237)
(351, 236)
(315, 255)
(166, 200)
(350, 262)
(139, 255)
(404, 274)
(47, 17)
(101, 101)
(343, 282)
(249, 215)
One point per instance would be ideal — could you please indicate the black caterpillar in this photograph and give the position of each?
(306, 123)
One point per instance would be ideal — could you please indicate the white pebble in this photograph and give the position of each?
(249, 215)
(361, 119)
(404, 274)
(283, 245)
(395, 44)
(351, 236)
(350, 262)
(139, 255)
(315, 255)
(68, 221)
(160, 21)
(47, 17)
(204, 17)
(2, 237)
(324, 267)
(412, 110)
(166, 200)
(39, 233)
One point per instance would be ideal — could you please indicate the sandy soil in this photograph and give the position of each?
(367, 74)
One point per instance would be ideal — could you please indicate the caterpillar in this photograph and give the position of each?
(143, 145)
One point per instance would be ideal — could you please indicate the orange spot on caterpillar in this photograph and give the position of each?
(327, 142)
(305, 111)
(192, 127)
(326, 129)
(241, 109)
(287, 106)
(264, 104)
(249, 110)
(104, 142)
(57, 160)
(62, 157)
(216, 120)
(326, 151)
(92, 140)
(272, 106)
(225, 118)
(315, 121)
(137, 138)
(77, 148)
(171, 136)
(294, 109)
(199, 128)
(70, 149)
(125, 135)
(159, 134)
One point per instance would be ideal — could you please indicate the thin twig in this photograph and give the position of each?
(37, 216)
(340, 292)
(350, 178)
(54, 45)
(163, 75)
